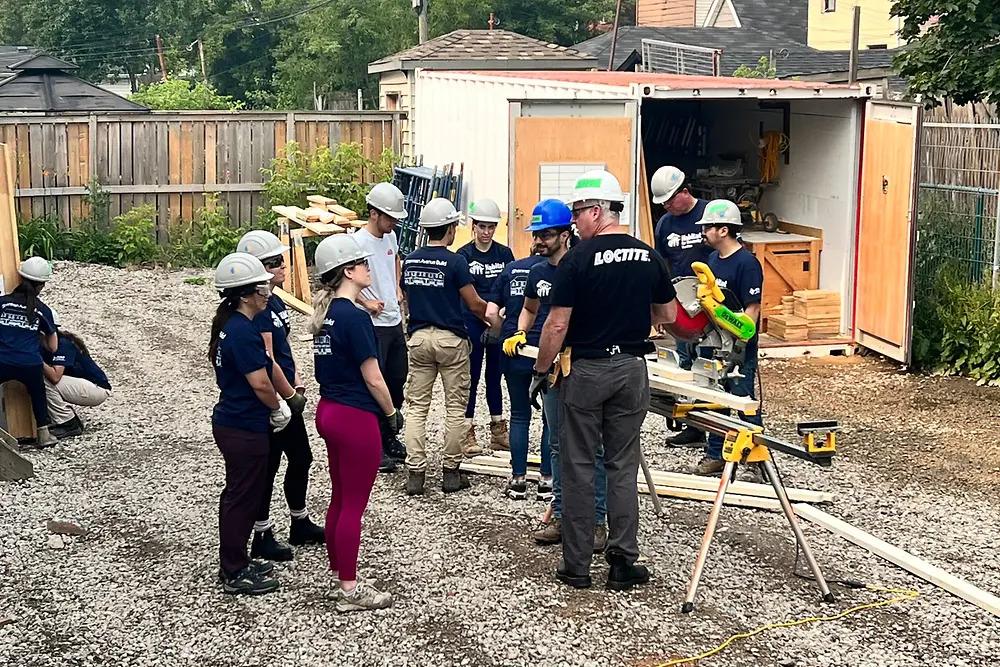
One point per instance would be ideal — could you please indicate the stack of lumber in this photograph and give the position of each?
(821, 311)
(787, 306)
(342, 215)
(788, 327)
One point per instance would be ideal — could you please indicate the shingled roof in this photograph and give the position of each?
(37, 82)
(10, 55)
(484, 49)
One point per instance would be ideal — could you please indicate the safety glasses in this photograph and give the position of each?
(273, 262)
(544, 235)
(580, 209)
(262, 289)
(360, 262)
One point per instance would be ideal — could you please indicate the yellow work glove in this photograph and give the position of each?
(514, 343)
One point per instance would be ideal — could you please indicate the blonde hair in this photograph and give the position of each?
(329, 282)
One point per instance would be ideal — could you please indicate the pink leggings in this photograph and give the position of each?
(354, 445)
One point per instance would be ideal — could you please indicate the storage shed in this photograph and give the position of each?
(844, 188)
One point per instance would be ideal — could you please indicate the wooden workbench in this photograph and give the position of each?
(790, 262)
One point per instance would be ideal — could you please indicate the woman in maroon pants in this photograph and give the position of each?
(354, 400)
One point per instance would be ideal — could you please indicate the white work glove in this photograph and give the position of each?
(281, 416)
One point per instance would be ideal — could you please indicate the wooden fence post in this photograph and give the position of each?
(17, 407)
(289, 129)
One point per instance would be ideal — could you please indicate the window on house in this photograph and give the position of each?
(829, 5)
(391, 101)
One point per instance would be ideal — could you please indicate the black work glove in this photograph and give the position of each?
(297, 403)
(394, 422)
(539, 385)
(490, 337)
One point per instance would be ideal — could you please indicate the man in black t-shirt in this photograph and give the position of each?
(608, 290)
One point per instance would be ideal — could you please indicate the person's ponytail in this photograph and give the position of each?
(28, 292)
(330, 281)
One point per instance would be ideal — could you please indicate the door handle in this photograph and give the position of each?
(885, 185)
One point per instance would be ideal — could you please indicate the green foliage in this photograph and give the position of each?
(204, 240)
(94, 244)
(951, 49)
(970, 330)
(43, 237)
(133, 234)
(344, 174)
(178, 94)
(763, 70)
(196, 280)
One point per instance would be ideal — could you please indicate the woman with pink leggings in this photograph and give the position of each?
(354, 398)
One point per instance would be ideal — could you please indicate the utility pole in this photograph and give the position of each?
(852, 67)
(163, 61)
(614, 35)
(201, 56)
(423, 32)
(493, 21)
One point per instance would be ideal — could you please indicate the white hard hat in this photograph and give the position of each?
(238, 269)
(36, 269)
(666, 182)
(261, 244)
(721, 212)
(387, 198)
(484, 210)
(597, 184)
(337, 250)
(438, 212)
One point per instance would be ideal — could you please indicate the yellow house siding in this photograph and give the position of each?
(665, 13)
(831, 31)
(398, 83)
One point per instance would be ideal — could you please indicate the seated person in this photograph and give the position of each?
(71, 378)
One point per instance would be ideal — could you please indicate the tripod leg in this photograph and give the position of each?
(706, 540)
(657, 507)
(786, 506)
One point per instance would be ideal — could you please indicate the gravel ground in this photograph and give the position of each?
(917, 466)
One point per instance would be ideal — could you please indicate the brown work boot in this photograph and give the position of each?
(499, 436)
(600, 537)
(548, 533)
(709, 466)
(470, 447)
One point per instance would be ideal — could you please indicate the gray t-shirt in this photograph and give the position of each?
(383, 268)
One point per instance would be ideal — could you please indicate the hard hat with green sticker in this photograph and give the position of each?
(721, 212)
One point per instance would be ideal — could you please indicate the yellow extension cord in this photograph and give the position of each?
(902, 595)
(773, 145)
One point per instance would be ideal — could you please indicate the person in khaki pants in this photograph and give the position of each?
(437, 282)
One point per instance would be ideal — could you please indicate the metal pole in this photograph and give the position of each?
(706, 540)
(657, 506)
(614, 36)
(852, 67)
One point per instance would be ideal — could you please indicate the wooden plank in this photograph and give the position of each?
(60, 170)
(36, 164)
(174, 168)
(645, 218)
(187, 169)
(279, 137)
(267, 149)
(23, 157)
(293, 303)
(285, 241)
(299, 268)
(151, 188)
(211, 154)
(910, 563)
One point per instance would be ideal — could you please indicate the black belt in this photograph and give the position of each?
(630, 349)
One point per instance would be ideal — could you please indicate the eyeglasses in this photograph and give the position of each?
(263, 289)
(360, 262)
(577, 211)
(273, 262)
(545, 235)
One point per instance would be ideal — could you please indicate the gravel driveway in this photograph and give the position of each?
(917, 466)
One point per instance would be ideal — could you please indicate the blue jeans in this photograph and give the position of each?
(550, 406)
(518, 382)
(685, 354)
(494, 397)
(743, 386)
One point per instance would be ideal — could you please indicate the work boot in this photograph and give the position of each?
(688, 436)
(453, 479)
(67, 429)
(544, 490)
(750, 472)
(623, 575)
(469, 445)
(44, 438)
(415, 483)
(265, 546)
(517, 488)
(249, 581)
(387, 465)
(571, 579)
(548, 533)
(396, 450)
(362, 598)
(600, 537)
(499, 436)
(708, 466)
(304, 531)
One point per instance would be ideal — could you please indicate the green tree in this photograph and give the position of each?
(763, 70)
(953, 50)
(178, 94)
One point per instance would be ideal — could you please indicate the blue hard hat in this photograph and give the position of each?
(550, 213)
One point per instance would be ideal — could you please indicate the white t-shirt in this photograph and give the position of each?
(383, 268)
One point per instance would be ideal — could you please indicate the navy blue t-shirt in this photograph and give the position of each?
(275, 320)
(679, 240)
(508, 292)
(241, 351)
(19, 342)
(742, 280)
(346, 340)
(75, 363)
(432, 277)
(540, 282)
(486, 267)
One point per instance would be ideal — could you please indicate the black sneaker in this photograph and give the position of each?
(623, 575)
(396, 450)
(570, 579)
(387, 465)
(261, 567)
(265, 546)
(248, 582)
(68, 429)
(517, 489)
(544, 491)
(304, 531)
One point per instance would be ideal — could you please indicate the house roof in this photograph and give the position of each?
(40, 61)
(484, 49)
(789, 20)
(740, 46)
(10, 55)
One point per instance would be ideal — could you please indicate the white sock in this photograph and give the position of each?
(468, 422)
(299, 514)
(496, 418)
(262, 526)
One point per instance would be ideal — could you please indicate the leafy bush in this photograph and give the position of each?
(178, 94)
(344, 174)
(763, 70)
(205, 240)
(133, 234)
(43, 237)
(970, 330)
(94, 245)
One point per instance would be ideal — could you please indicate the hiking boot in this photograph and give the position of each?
(688, 436)
(415, 483)
(623, 575)
(68, 429)
(265, 546)
(387, 465)
(544, 490)
(453, 479)
(248, 582)
(517, 488)
(304, 531)
(499, 436)
(396, 450)
(750, 472)
(261, 568)
(469, 445)
(600, 537)
(362, 598)
(44, 438)
(571, 579)
(709, 466)
(548, 533)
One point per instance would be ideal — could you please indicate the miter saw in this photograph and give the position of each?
(717, 334)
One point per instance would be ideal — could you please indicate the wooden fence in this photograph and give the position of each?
(170, 159)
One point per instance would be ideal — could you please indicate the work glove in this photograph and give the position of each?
(514, 343)
(296, 403)
(395, 421)
(490, 337)
(280, 416)
(539, 385)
